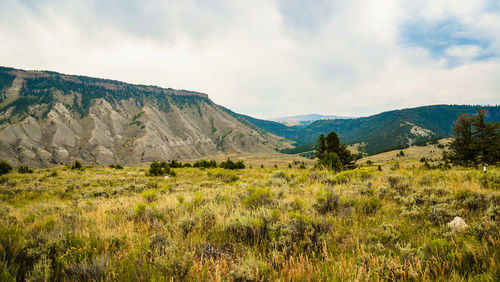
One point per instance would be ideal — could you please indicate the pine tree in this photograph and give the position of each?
(475, 141)
(320, 147)
(331, 154)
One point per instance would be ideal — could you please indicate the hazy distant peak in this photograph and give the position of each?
(305, 119)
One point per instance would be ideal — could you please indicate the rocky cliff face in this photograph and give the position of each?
(48, 118)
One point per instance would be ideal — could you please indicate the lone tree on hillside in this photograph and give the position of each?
(475, 141)
(331, 154)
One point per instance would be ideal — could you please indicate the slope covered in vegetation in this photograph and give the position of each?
(380, 132)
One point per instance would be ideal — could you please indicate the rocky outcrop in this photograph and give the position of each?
(124, 123)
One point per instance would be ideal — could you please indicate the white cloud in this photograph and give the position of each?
(259, 57)
(464, 51)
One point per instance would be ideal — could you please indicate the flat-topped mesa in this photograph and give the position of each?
(108, 84)
(48, 118)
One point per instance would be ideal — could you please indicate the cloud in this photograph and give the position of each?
(270, 58)
(464, 51)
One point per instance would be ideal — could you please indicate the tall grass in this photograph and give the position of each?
(256, 224)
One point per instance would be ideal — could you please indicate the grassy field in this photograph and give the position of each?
(433, 153)
(254, 224)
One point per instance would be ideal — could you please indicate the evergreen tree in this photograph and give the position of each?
(331, 153)
(475, 141)
(487, 138)
(320, 147)
(332, 142)
(330, 161)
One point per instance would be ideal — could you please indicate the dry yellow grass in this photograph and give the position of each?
(412, 154)
(252, 224)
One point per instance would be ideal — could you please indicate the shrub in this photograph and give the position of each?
(250, 269)
(176, 264)
(140, 208)
(4, 167)
(226, 177)
(150, 195)
(440, 214)
(399, 184)
(77, 165)
(258, 197)
(91, 270)
(41, 270)
(11, 243)
(326, 201)
(370, 205)
(389, 234)
(24, 169)
(349, 175)
(395, 166)
(116, 166)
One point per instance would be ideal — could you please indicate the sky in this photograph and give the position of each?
(270, 58)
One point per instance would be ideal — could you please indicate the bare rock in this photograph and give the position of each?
(457, 224)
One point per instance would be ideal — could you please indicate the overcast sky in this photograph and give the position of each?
(270, 58)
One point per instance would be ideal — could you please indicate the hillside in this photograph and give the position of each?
(48, 118)
(381, 132)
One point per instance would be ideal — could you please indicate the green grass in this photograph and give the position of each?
(254, 224)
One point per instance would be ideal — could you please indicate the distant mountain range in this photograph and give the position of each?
(380, 132)
(305, 119)
(48, 118)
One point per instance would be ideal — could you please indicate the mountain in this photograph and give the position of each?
(305, 119)
(48, 118)
(380, 132)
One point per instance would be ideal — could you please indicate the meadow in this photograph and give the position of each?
(254, 224)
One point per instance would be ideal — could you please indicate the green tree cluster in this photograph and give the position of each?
(229, 164)
(160, 169)
(205, 164)
(331, 154)
(475, 141)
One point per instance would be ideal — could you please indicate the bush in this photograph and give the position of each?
(327, 201)
(4, 167)
(41, 270)
(279, 174)
(250, 269)
(160, 169)
(11, 243)
(24, 169)
(370, 205)
(226, 177)
(440, 214)
(150, 196)
(116, 166)
(258, 197)
(349, 175)
(77, 165)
